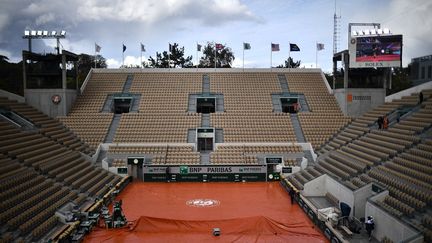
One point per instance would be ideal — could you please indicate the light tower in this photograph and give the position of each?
(336, 30)
(44, 34)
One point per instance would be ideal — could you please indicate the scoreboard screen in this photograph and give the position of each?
(375, 51)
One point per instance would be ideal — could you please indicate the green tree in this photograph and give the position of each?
(400, 80)
(11, 76)
(176, 58)
(289, 63)
(224, 56)
(87, 62)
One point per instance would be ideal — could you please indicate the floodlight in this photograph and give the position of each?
(44, 34)
(353, 33)
(373, 32)
(386, 31)
(367, 32)
(380, 31)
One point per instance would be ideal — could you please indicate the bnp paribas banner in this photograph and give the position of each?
(205, 169)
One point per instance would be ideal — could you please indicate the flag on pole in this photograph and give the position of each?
(142, 47)
(275, 47)
(246, 46)
(219, 46)
(320, 46)
(294, 47)
(97, 48)
(199, 46)
(124, 48)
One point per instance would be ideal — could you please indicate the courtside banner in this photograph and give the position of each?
(205, 169)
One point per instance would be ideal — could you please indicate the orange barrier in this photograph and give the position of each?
(188, 212)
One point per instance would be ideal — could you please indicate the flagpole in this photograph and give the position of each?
(243, 55)
(271, 57)
(123, 55)
(197, 55)
(169, 56)
(215, 57)
(95, 55)
(316, 55)
(142, 66)
(289, 57)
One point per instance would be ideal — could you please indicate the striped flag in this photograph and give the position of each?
(320, 46)
(275, 47)
(97, 48)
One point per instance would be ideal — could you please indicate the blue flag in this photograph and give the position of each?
(124, 48)
(294, 47)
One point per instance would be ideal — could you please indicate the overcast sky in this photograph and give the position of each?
(155, 23)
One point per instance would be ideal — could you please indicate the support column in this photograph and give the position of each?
(64, 86)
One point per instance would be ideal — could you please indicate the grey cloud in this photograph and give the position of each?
(110, 20)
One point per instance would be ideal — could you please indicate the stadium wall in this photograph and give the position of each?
(86, 80)
(355, 102)
(41, 99)
(355, 199)
(409, 92)
(11, 96)
(387, 225)
(323, 184)
(329, 89)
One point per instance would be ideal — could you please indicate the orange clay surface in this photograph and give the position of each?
(244, 212)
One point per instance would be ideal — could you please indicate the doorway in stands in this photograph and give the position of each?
(135, 167)
(273, 173)
(122, 105)
(206, 105)
(290, 104)
(205, 139)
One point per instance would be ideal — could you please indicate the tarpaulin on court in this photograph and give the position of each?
(188, 212)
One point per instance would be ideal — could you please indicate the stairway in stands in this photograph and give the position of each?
(112, 128)
(109, 138)
(283, 83)
(206, 84)
(298, 131)
(128, 83)
(297, 128)
(205, 118)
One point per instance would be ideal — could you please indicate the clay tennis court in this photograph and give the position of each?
(188, 212)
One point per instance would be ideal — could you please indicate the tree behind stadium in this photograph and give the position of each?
(224, 55)
(87, 62)
(289, 63)
(176, 58)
